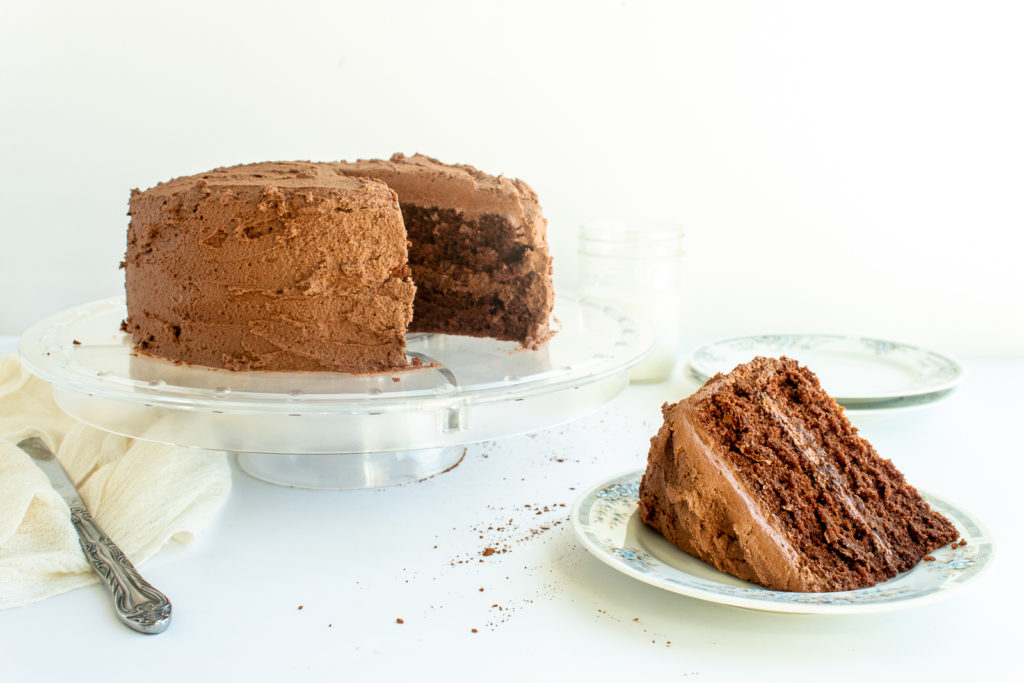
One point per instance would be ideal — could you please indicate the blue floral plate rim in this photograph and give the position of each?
(605, 520)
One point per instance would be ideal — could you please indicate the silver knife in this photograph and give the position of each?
(138, 604)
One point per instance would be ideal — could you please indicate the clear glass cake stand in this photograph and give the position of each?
(335, 430)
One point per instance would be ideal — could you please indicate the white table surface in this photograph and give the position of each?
(357, 561)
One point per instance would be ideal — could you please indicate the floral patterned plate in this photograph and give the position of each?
(606, 520)
(858, 372)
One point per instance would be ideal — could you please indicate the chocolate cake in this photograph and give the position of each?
(478, 248)
(760, 474)
(306, 266)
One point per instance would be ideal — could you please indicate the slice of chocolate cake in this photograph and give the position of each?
(760, 474)
(478, 248)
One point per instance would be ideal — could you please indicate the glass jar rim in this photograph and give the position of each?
(638, 232)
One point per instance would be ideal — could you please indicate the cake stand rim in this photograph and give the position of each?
(240, 402)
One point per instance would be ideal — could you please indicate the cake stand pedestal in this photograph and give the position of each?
(335, 430)
(353, 470)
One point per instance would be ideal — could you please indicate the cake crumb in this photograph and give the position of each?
(399, 620)
(300, 606)
(488, 552)
(473, 630)
(76, 342)
(929, 558)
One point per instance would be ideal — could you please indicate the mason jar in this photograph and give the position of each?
(637, 266)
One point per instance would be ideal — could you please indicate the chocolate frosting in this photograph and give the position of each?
(286, 265)
(699, 505)
(423, 181)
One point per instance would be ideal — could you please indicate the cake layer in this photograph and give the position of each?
(762, 475)
(273, 266)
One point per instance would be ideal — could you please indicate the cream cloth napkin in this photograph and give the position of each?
(142, 493)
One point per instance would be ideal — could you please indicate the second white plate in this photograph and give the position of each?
(606, 520)
(856, 371)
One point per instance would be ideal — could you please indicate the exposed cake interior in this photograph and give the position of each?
(477, 248)
(845, 516)
(473, 277)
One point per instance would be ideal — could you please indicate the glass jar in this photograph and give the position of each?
(638, 266)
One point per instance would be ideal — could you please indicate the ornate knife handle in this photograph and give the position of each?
(138, 604)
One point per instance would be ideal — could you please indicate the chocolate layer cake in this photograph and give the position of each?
(760, 474)
(305, 266)
(271, 266)
(478, 248)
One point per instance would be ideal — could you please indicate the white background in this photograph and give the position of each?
(839, 167)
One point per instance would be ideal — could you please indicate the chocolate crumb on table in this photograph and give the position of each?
(929, 558)
(399, 620)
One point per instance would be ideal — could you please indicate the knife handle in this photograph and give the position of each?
(138, 604)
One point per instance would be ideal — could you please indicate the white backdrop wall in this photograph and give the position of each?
(840, 167)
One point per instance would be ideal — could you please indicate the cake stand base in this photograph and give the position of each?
(338, 471)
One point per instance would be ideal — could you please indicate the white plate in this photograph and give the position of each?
(856, 371)
(607, 522)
